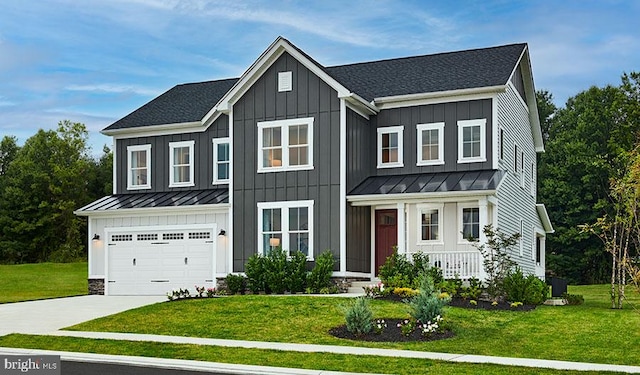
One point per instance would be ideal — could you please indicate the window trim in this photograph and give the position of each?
(216, 142)
(462, 124)
(130, 150)
(399, 130)
(421, 208)
(172, 147)
(461, 207)
(522, 177)
(284, 129)
(521, 237)
(308, 204)
(439, 126)
(533, 180)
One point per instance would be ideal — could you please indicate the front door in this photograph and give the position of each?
(386, 235)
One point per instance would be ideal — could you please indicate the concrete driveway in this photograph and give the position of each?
(40, 317)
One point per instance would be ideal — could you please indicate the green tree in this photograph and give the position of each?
(8, 150)
(45, 182)
(588, 144)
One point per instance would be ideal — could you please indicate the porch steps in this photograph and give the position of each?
(356, 286)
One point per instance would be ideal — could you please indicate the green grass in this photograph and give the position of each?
(25, 282)
(588, 333)
(313, 361)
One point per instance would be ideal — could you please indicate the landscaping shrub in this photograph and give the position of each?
(235, 283)
(473, 291)
(320, 276)
(398, 272)
(573, 299)
(256, 275)
(297, 272)
(276, 270)
(496, 260)
(427, 305)
(359, 317)
(529, 290)
(405, 292)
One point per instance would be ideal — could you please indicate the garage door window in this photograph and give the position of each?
(286, 225)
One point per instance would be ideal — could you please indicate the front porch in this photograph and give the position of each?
(461, 264)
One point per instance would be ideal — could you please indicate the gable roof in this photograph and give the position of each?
(364, 82)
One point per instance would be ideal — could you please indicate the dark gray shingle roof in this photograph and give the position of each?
(403, 76)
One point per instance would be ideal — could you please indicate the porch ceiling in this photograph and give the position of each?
(442, 182)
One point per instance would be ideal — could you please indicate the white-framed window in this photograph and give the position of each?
(430, 144)
(181, 164)
(285, 145)
(469, 218)
(221, 161)
(471, 141)
(430, 223)
(515, 158)
(533, 179)
(522, 177)
(139, 167)
(390, 147)
(285, 82)
(521, 237)
(502, 144)
(288, 225)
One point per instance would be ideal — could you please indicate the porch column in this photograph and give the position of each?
(402, 249)
(484, 220)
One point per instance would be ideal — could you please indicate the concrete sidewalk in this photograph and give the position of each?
(352, 350)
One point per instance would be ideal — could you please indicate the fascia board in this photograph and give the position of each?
(544, 218)
(183, 127)
(527, 76)
(378, 199)
(389, 102)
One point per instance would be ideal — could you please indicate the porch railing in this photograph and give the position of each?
(464, 264)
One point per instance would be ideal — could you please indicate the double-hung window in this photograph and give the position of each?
(285, 145)
(181, 164)
(221, 161)
(470, 222)
(390, 147)
(430, 144)
(139, 167)
(472, 141)
(286, 225)
(429, 219)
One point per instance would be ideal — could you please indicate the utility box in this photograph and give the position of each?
(558, 286)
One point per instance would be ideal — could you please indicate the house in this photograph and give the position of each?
(418, 152)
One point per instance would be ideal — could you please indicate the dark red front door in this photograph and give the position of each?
(386, 235)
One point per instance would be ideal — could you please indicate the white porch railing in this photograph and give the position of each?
(464, 264)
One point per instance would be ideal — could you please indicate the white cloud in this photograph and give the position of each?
(114, 89)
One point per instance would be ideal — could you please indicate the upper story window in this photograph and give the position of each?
(471, 141)
(139, 167)
(515, 158)
(429, 217)
(522, 169)
(286, 225)
(390, 149)
(285, 145)
(430, 144)
(501, 144)
(221, 161)
(181, 164)
(533, 180)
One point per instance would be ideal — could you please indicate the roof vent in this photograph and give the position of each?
(284, 81)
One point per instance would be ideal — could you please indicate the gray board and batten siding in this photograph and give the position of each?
(310, 97)
(202, 158)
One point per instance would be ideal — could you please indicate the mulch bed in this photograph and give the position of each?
(390, 334)
(487, 305)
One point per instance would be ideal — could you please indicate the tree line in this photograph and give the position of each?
(41, 183)
(589, 145)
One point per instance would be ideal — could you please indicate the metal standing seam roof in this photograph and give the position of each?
(430, 183)
(164, 199)
(484, 67)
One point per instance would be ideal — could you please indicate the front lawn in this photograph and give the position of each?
(25, 282)
(587, 333)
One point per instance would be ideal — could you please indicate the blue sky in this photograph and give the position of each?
(96, 61)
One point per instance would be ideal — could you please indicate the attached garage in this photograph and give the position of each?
(153, 262)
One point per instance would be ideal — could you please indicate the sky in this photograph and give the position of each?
(96, 61)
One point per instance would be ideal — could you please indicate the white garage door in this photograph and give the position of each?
(153, 262)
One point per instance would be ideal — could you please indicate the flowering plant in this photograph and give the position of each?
(406, 326)
(379, 326)
(374, 290)
(515, 305)
(211, 292)
(431, 326)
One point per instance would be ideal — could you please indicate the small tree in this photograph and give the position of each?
(496, 259)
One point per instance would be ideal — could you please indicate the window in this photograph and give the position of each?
(221, 160)
(390, 147)
(181, 164)
(284, 81)
(533, 180)
(285, 145)
(471, 141)
(521, 237)
(139, 167)
(515, 158)
(522, 169)
(286, 225)
(429, 220)
(538, 246)
(470, 223)
(501, 144)
(430, 144)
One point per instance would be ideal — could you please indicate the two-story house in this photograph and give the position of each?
(418, 152)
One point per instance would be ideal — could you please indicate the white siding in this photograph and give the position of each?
(98, 226)
(514, 201)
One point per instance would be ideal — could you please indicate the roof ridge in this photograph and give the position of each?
(209, 81)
